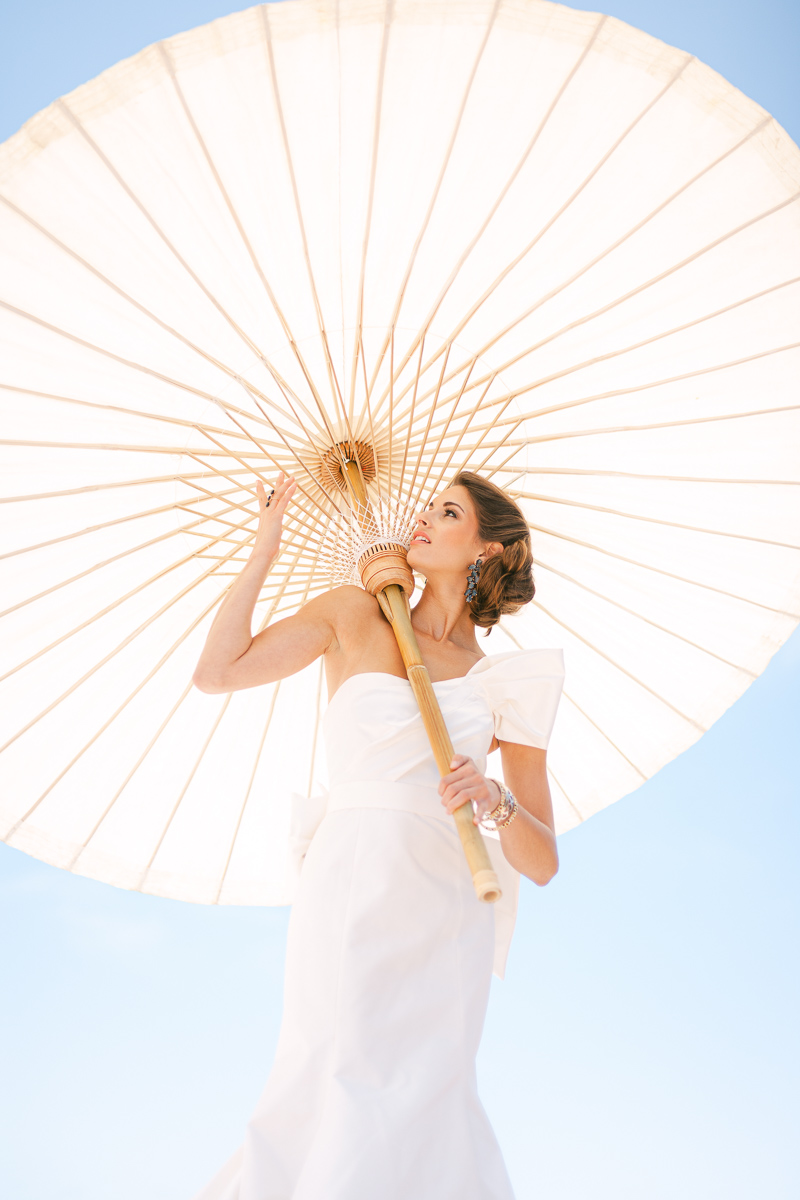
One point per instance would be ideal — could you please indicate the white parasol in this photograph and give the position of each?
(507, 237)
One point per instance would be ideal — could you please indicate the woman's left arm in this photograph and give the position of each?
(529, 842)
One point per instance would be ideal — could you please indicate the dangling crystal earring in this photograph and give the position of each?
(472, 579)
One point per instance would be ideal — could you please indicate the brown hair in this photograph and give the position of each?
(505, 581)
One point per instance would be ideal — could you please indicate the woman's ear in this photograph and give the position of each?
(492, 549)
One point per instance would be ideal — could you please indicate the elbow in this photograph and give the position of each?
(544, 877)
(205, 682)
(547, 871)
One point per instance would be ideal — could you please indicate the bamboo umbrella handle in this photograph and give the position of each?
(484, 879)
(382, 567)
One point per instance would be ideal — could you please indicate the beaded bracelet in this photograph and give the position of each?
(503, 814)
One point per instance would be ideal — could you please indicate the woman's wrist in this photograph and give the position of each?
(504, 811)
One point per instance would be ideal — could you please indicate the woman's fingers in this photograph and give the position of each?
(278, 496)
(272, 504)
(466, 783)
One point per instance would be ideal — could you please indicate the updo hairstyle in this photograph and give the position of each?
(505, 581)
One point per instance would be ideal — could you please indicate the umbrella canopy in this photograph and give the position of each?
(501, 236)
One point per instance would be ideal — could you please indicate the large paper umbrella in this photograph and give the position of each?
(508, 237)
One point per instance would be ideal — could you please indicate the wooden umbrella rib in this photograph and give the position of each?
(246, 487)
(114, 483)
(238, 223)
(350, 410)
(525, 389)
(618, 666)
(125, 362)
(620, 241)
(332, 377)
(499, 199)
(167, 419)
(216, 558)
(222, 474)
(595, 472)
(410, 422)
(571, 700)
(713, 418)
(390, 422)
(185, 787)
(442, 436)
(317, 714)
(572, 198)
(527, 442)
(103, 158)
(462, 435)
(109, 608)
(566, 796)
(434, 197)
(570, 201)
(292, 401)
(376, 130)
(480, 466)
(615, 245)
(244, 508)
(624, 350)
(630, 295)
(413, 482)
(641, 617)
(268, 618)
(223, 709)
(516, 421)
(114, 715)
(108, 524)
(585, 182)
(634, 562)
(583, 713)
(613, 512)
(114, 558)
(368, 406)
(153, 740)
(288, 603)
(256, 761)
(121, 446)
(297, 458)
(73, 861)
(170, 329)
(264, 623)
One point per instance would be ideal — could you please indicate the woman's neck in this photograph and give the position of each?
(442, 615)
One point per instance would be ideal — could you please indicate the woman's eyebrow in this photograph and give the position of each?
(452, 504)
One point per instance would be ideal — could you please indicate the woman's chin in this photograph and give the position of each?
(416, 556)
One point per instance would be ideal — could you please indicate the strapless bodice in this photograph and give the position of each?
(374, 732)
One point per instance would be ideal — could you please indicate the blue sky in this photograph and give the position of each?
(645, 1043)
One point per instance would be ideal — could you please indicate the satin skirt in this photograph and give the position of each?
(373, 1093)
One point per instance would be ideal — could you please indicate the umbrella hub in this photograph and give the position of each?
(335, 460)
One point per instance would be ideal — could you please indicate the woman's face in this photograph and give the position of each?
(446, 536)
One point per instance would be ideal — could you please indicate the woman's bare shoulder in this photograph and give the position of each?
(347, 604)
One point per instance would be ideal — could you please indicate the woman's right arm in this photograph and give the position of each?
(232, 658)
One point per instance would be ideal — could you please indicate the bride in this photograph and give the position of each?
(373, 1095)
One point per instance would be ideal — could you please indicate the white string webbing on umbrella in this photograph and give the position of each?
(501, 236)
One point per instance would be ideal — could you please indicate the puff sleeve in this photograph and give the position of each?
(522, 689)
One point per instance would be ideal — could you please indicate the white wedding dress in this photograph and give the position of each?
(373, 1093)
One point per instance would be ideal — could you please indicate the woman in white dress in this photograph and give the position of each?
(373, 1093)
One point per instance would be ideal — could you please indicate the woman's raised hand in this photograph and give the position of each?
(465, 783)
(270, 519)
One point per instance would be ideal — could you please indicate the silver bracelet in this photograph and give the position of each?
(503, 814)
